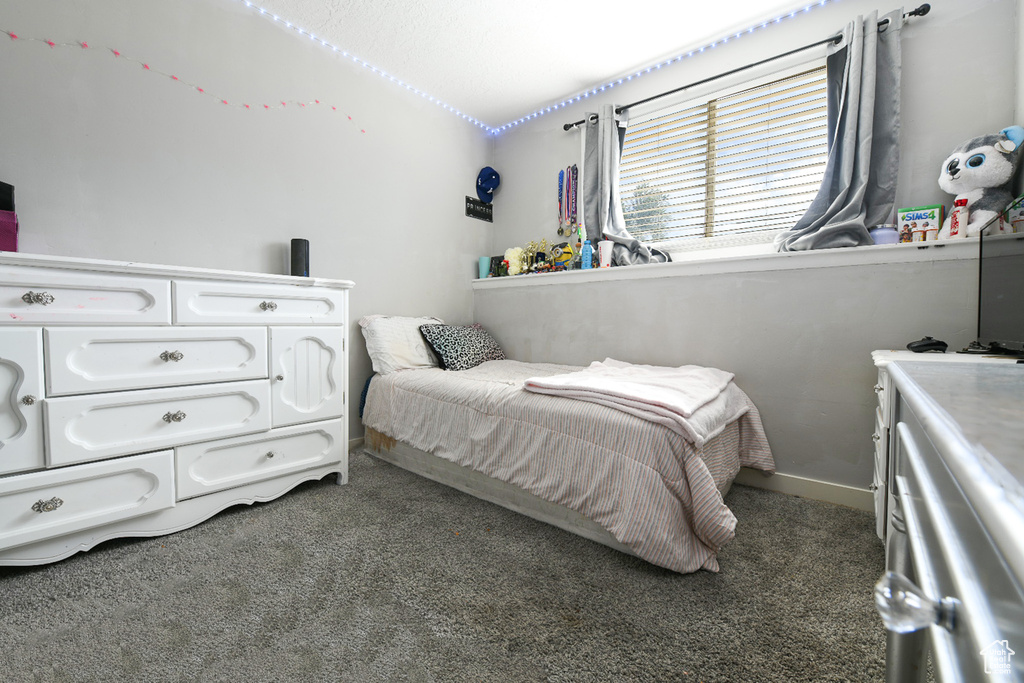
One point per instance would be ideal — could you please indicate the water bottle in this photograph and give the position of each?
(587, 255)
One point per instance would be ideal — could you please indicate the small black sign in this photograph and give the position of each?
(478, 209)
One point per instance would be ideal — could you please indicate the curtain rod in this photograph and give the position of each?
(919, 12)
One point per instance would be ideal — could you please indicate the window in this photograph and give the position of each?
(742, 163)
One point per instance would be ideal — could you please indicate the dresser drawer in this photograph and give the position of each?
(96, 359)
(41, 295)
(882, 391)
(199, 303)
(954, 555)
(212, 466)
(42, 505)
(83, 428)
(881, 473)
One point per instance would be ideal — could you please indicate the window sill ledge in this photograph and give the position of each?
(799, 260)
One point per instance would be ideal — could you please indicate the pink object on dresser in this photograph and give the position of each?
(8, 231)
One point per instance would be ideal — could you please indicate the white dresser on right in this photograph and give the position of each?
(884, 415)
(954, 583)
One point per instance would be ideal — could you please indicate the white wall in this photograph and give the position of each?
(111, 161)
(799, 341)
(1019, 117)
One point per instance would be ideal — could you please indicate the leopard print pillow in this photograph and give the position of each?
(461, 348)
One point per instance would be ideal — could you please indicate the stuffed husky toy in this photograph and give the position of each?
(981, 171)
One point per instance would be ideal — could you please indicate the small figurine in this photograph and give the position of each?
(981, 170)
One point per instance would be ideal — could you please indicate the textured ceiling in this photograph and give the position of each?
(499, 61)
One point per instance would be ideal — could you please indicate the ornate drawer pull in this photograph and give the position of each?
(268, 306)
(28, 399)
(171, 355)
(41, 298)
(47, 505)
(174, 417)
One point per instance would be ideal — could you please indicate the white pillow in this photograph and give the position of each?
(396, 343)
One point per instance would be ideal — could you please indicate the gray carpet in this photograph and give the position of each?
(396, 578)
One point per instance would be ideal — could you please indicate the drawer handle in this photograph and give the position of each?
(268, 306)
(174, 417)
(28, 399)
(41, 298)
(905, 608)
(271, 454)
(879, 389)
(876, 438)
(47, 505)
(171, 355)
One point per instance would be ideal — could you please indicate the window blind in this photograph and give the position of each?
(749, 161)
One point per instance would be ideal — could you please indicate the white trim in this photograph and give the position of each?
(155, 270)
(839, 494)
(953, 250)
(355, 444)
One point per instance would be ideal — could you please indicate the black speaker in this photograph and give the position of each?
(300, 257)
(6, 197)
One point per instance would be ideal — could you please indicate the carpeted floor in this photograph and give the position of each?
(396, 578)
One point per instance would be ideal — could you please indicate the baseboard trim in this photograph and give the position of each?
(850, 496)
(353, 444)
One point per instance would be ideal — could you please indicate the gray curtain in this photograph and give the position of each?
(859, 187)
(602, 206)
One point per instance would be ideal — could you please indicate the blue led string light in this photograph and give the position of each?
(365, 64)
(550, 108)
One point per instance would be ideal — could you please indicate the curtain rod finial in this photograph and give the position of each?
(920, 11)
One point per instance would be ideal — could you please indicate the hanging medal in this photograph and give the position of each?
(561, 199)
(572, 199)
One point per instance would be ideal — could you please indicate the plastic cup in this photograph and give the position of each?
(485, 266)
(604, 253)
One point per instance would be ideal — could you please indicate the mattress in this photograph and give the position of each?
(657, 493)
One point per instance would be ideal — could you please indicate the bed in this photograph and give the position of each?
(460, 413)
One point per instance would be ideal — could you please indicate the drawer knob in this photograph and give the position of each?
(271, 454)
(174, 417)
(268, 306)
(42, 298)
(280, 378)
(47, 505)
(878, 388)
(28, 399)
(876, 438)
(171, 355)
(905, 608)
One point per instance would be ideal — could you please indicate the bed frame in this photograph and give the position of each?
(481, 486)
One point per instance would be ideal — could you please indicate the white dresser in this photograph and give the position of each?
(884, 416)
(954, 585)
(139, 400)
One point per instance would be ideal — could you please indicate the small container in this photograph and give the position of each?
(884, 234)
(958, 219)
(604, 250)
(587, 256)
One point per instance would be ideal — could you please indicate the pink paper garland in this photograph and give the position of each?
(146, 67)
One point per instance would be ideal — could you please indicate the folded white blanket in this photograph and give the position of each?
(695, 402)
